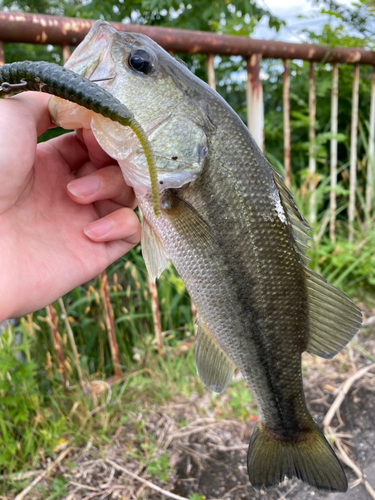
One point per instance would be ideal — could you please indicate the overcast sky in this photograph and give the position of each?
(289, 10)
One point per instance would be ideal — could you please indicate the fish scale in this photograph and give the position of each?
(233, 232)
(255, 268)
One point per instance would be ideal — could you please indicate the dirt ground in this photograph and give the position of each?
(207, 456)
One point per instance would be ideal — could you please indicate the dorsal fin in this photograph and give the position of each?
(298, 224)
(334, 319)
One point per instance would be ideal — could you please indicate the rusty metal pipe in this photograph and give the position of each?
(254, 100)
(286, 112)
(353, 153)
(370, 160)
(334, 114)
(312, 159)
(211, 71)
(38, 28)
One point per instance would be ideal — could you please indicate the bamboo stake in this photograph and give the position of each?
(353, 153)
(312, 159)
(334, 113)
(52, 320)
(110, 323)
(286, 111)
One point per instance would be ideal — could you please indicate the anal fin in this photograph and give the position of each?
(214, 367)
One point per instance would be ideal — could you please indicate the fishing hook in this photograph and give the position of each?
(9, 87)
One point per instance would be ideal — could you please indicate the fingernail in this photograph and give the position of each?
(84, 187)
(98, 228)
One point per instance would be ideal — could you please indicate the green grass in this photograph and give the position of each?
(35, 423)
(38, 414)
(160, 468)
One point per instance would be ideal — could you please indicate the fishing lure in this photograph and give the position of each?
(61, 82)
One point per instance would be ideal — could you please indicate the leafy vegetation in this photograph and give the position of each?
(39, 412)
(39, 418)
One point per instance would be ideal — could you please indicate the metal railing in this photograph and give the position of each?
(66, 32)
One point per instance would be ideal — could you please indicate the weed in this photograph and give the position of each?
(26, 427)
(240, 400)
(160, 468)
(58, 488)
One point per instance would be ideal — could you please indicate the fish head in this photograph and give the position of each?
(165, 97)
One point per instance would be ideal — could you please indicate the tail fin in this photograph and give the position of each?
(312, 460)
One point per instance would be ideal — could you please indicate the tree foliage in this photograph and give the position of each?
(221, 16)
(359, 18)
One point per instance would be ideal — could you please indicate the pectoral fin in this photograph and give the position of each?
(188, 221)
(214, 367)
(334, 319)
(153, 251)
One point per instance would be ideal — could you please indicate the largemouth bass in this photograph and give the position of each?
(236, 237)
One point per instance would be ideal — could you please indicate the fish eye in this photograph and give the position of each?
(141, 61)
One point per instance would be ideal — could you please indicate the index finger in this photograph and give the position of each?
(31, 108)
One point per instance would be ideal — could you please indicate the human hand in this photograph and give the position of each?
(54, 238)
